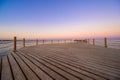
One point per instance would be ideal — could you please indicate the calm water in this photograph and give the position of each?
(7, 46)
(111, 43)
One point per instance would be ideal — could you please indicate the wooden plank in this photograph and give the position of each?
(37, 70)
(6, 72)
(93, 61)
(103, 67)
(68, 69)
(46, 69)
(30, 75)
(85, 64)
(60, 71)
(81, 68)
(93, 65)
(18, 75)
(87, 68)
(72, 62)
(0, 67)
(94, 76)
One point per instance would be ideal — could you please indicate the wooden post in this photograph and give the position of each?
(43, 41)
(88, 41)
(65, 41)
(93, 41)
(51, 41)
(74, 41)
(105, 42)
(77, 41)
(36, 42)
(23, 42)
(14, 45)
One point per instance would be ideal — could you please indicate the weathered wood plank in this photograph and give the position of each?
(6, 72)
(0, 67)
(68, 69)
(75, 61)
(62, 62)
(30, 75)
(37, 70)
(18, 75)
(80, 55)
(94, 76)
(46, 69)
(90, 63)
(66, 74)
(87, 68)
(84, 74)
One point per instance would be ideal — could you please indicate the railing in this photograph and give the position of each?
(8, 46)
(36, 42)
(97, 42)
(93, 42)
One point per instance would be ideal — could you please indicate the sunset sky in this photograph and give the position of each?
(59, 18)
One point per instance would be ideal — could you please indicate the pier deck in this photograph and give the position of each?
(70, 61)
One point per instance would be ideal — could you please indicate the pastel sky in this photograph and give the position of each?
(59, 18)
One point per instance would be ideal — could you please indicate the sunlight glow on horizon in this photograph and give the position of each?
(59, 19)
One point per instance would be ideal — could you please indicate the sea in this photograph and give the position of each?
(6, 46)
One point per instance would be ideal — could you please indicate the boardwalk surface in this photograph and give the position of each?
(73, 61)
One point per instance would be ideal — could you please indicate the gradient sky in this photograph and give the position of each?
(59, 18)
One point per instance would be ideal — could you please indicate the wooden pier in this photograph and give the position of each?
(67, 61)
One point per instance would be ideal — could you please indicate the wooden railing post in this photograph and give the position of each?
(105, 42)
(23, 42)
(88, 41)
(36, 42)
(51, 41)
(93, 41)
(74, 41)
(43, 41)
(65, 41)
(14, 45)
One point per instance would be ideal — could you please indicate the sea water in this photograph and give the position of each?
(6, 46)
(111, 43)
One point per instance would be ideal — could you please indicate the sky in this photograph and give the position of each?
(59, 18)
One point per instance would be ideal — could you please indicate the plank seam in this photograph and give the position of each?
(49, 67)
(39, 67)
(70, 68)
(20, 67)
(86, 67)
(10, 68)
(81, 69)
(63, 70)
(0, 68)
(29, 67)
